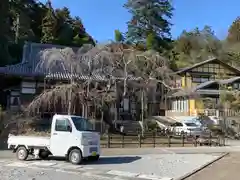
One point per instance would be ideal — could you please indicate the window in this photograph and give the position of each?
(28, 87)
(211, 65)
(62, 125)
(196, 80)
(236, 86)
(204, 79)
(200, 79)
(176, 124)
(82, 124)
(191, 124)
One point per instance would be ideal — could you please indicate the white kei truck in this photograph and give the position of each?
(71, 137)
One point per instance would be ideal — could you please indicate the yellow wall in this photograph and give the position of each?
(196, 105)
(188, 81)
(183, 82)
(192, 107)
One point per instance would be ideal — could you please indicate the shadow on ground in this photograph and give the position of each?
(116, 160)
(102, 160)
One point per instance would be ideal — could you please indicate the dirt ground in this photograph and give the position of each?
(226, 168)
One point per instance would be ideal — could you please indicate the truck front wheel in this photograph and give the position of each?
(22, 153)
(75, 156)
(43, 154)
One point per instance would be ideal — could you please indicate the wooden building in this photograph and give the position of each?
(199, 82)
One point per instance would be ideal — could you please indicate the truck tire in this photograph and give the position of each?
(95, 158)
(75, 156)
(22, 153)
(43, 154)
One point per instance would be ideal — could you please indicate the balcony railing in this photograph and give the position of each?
(207, 112)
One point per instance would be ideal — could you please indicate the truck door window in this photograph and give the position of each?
(62, 125)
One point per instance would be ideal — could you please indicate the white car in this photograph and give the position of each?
(71, 137)
(215, 120)
(188, 128)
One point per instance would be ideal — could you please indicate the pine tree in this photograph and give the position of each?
(80, 35)
(149, 17)
(49, 25)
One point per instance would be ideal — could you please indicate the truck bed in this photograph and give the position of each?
(30, 141)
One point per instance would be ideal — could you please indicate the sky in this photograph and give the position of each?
(102, 17)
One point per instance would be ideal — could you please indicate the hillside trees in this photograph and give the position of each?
(195, 46)
(30, 20)
(4, 31)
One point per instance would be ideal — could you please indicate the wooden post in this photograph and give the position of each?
(122, 140)
(195, 141)
(210, 139)
(108, 141)
(139, 140)
(218, 141)
(154, 139)
(223, 139)
(169, 140)
(183, 139)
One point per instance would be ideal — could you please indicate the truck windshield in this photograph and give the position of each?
(82, 124)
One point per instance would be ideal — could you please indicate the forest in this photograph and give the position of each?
(149, 28)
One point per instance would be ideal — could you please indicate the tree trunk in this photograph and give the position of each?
(83, 110)
(70, 95)
(116, 109)
(86, 110)
(94, 117)
(102, 113)
(70, 101)
(142, 111)
(125, 81)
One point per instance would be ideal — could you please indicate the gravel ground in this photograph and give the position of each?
(111, 167)
(162, 165)
(27, 174)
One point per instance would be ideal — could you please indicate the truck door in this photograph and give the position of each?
(60, 136)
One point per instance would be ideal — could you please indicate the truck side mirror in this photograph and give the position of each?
(69, 128)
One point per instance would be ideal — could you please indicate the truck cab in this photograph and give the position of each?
(73, 132)
(71, 136)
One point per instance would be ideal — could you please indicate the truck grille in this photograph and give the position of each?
(93, 149)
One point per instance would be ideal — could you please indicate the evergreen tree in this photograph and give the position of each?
(64, 31)
(234, 31)
(79, 32)
(49, 25)
(31, 20)
(149, 17)
(4, 32)
(151, 42)
(118, 36)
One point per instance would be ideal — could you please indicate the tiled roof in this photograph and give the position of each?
(231, 80)
(199, 89)
(30, 60)
(67, 76)
(205, 84)
(213, 59)
(17, 69)
(95, 77)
